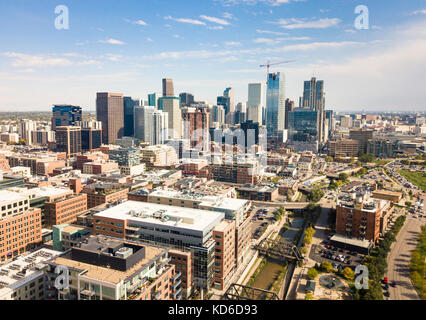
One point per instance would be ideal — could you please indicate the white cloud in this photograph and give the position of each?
(320, 45)
(232, 43)
(21, 60)
(138, 22)
(422, 11)
(266, 41)
(215, 20)
(185, 20)
(271, 32)
(294, 23)
(149, 39)
(215, 28)
(112, 41)
(228, 15)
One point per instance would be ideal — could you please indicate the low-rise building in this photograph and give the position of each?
(105, 268)
(24, 278)
(100, 193)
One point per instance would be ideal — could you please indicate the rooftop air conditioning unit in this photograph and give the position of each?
(124, 252)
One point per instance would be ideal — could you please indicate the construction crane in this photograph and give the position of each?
(268, 66)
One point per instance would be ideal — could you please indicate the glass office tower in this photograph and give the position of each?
(275, 103)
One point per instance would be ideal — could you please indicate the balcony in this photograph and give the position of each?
(156, 295)
(176, 293)
(177, 275)
(163, 262)
(175, 285)
(136, 285)
(132, 228)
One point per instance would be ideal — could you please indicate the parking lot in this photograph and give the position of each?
(261, 220)
(339, 258)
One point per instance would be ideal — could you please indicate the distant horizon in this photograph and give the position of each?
(340, 111)
(206, 46)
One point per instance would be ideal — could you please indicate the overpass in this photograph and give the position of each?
(286, 205)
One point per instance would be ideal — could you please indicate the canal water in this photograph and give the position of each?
(273, 267)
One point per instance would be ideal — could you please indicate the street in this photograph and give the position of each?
(399, 260)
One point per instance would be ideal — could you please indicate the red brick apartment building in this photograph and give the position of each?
(65, 210)
(224, 235)
(98, 194)
(20, 226)
(360, 218)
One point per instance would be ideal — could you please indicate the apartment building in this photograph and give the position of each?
(235, 172)
(40, 163)
(359, 216)
(66, 236)
(24, 278)
(99, 167)
(105, 268)
(100, 193)
(344, 147)
(166, 225)
(224, 267)
(66, 209)
(20, 225)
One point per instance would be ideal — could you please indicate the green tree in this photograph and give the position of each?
(348, 273)
(312, 273)
(343, 177)
(328, 159)
(326, 266)
(315, 195)
(309, 296)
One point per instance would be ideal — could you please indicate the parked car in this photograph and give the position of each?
(385, 280)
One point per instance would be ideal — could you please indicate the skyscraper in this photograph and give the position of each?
(68, 139)
(314, 99)
(186, 99)
(303, 129)
(254, 102)
(168, 90)
(110, 111)
(151, 125)
(196, 127)
(229, 93)
(275, 100)
(218, 114)
(171, 105)
(289, 107)
(65, 115)
(129, 106)
(91, 135)
(153, 99)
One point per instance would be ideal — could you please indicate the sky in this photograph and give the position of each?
(128, 46)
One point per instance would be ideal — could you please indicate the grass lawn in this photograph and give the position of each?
(417, 178)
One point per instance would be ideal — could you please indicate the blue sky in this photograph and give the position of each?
(128, 46)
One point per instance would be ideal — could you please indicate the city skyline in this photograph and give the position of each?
(210, 46)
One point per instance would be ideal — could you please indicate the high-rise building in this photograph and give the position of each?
(25, 129)
(110, 111)
(171, 105)
(125, 157)
(68, 139)
(303, 129)
(91, 135)
(229, 93)
(151, 125)
(255, 102)
(129, 106)
(362, 135)
(196, 127)
(289, 107)
(314, 99)
(186, 99)
(168, 90)
(153, 99)
(217, 114)
(65, 115)
(227, 101)
(275, 103)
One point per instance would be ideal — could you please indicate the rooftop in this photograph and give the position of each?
(23, 269)
(9, 196)
(108, 274)
(157, 214)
